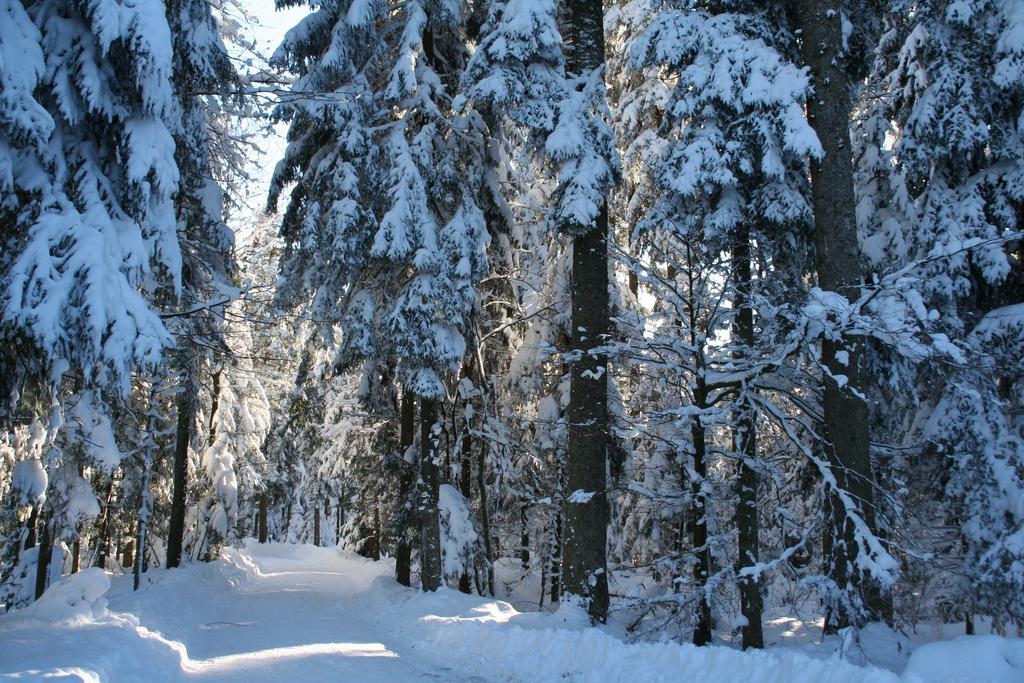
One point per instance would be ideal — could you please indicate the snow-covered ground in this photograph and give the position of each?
(299, 613)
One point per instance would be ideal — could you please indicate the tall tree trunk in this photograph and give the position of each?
(261, 522)
(586, 510)
(45, 553)
(747, 521)
(524, 538)
(106, 524)
(702, 630)
(698, 511)
(839, 270)
(183, 436)
(316, 525)
(403, 551)
(556, 558)
(584, 561)
(430, 523)
(128, 554)
(466, 461)
(485, 515)
(76, 555)
(375, 545)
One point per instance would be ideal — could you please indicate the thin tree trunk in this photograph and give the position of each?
(103, 542)
(466, 459)
(403, 551)
(375, 545)
(524, 539)
(466, 463)
(262, 519)
(339, 516)
(430, 523)
(316, 525)
(702, 630)
(556, 558)
(747, 521)
(698, 511)
(45, 553)
(183, 435)
(76, 556)
(485, 515)
(839, 270)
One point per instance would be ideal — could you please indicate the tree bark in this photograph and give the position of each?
(524, 538)
(103, 541)
(316, 525)
(702, 629)
(747, 521)
(403, 551)
(485, 516)
(430, 523)
(262, 519)
(45, 553)
(698, 511)
(584, 570)
(183, 436)
(556, 558)
(586, 516)
(839, 270)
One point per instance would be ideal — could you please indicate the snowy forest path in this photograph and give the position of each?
(267, 613)
(291, 620)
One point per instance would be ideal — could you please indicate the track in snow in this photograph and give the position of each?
(271, 613)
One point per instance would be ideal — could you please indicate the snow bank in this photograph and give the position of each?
(77, 596)
(969, 658)
(279, 613)
(497, 643)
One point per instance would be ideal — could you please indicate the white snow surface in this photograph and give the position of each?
(299, 613)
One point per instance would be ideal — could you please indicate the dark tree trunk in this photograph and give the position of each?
(430, 523)
(374, 549)
(76, 556)
(262, 518)
(702, 629)
(106, 524)
(747, 522)
(466, 463)
(556, 558)
(403, 551)
(839, 270)
(128, 554)
(140, 540)
(45, 553)
(584, 562)
(316, 525)
(485, 515)
(586, 517)
(699, 527)
(183, 436)
(524, 539)
(466, 450)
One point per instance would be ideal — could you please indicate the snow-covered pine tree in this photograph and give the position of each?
(373, 108)
(90, 177)
(724, 172)
(202, 75)
(519, 75)
(940, 164)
